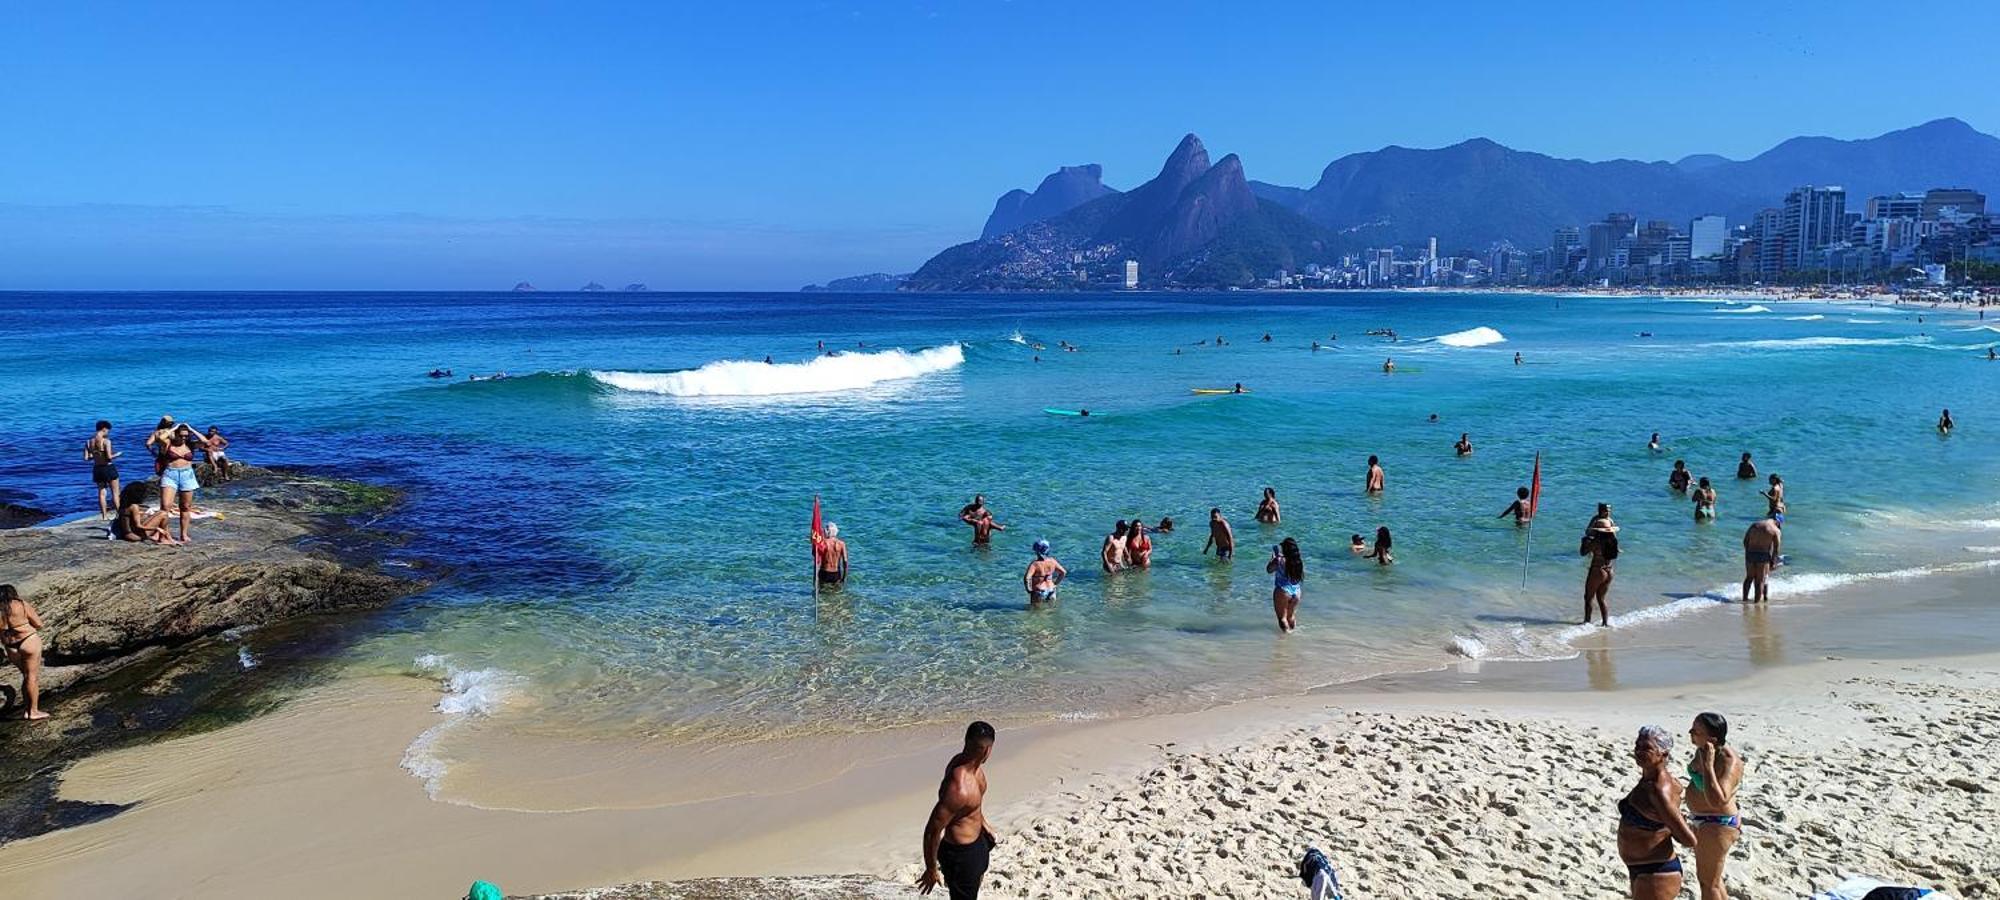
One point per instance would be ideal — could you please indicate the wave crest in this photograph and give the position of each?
(1753, 308)
(468, 694)
(1471, 337)
(820, 375)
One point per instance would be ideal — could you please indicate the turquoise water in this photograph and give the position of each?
(627, 530)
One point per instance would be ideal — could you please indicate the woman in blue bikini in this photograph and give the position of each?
(1711, 801)
(1649, 821)
(1288, 575)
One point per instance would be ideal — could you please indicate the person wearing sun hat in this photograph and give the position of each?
(1600, 543)
(1043, 576)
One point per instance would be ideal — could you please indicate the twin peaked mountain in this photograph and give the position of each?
(1195, 223)
(1202, 225)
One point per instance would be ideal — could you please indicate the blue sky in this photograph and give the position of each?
(443, 145)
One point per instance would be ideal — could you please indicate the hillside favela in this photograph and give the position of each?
(880, 449)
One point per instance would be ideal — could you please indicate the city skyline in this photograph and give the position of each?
(764, 148)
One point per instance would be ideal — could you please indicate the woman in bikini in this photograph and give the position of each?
(133, 524)
(1600, 543)
(1138, 547)
(1288, 577)
(1043, 576)
(1649, 821)
(21, 635)
(1711, 801)
(1267, 509)
(1704, 501)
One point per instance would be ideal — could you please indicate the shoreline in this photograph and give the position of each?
(196, 803)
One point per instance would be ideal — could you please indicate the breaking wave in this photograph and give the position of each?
(1753, 308)
(1471, 337)
(1812, 318)
(820, 375)
(468, 694)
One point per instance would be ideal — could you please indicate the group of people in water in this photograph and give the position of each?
(173, 447)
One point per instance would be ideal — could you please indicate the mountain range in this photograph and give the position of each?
(1197, 224)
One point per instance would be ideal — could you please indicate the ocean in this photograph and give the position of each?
(624, 518)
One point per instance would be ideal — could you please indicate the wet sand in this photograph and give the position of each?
(1495, 780)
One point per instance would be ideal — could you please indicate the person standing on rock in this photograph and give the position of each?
(21, 636)
(103, 471)
(177, 481)
(958, 842)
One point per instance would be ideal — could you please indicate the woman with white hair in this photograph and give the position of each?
(1649, 820)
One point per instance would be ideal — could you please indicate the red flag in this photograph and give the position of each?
(818, 533)
(1534, 490)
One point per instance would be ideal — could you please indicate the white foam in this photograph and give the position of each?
(474, 693)
(1812, 318)
(1754, 308)
(1017, 337)
(245, 659)
(1821, 343)
(825, 374)
(1471, 337)
(1982, 549)
(1863, 321)
(1993, 328)
(1644, 615)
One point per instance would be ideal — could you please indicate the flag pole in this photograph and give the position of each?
(1534, 508)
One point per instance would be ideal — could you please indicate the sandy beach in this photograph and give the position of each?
(1417, 786)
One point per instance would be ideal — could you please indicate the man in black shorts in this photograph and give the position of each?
(957, 840)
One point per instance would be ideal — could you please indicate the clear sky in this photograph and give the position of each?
(448, 145)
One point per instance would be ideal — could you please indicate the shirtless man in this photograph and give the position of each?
(1043, 575)
(958, 842)
(216, 447)
(1518, 509)
(832, 558)
(1389, 365)
(21, 636)
(1746, 470)
(1375, 480)
(103, 472)
(983, 527)
(1219, 536)
(1112, 555)
(1677, 480)
(1464, 445)
(971, 511)
(1761, 546)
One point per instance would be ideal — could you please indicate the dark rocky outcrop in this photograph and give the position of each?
(877, 282)
(141, 638)
(14, 515)
(1192, 212)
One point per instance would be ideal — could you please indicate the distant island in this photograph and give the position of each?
(591, 287)
(877, 282)
(1908, 204)
(636, 287)
(522, 287)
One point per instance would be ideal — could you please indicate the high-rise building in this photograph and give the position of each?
(1767, 235)
(1705, 236)
(1813, 218)
(1431, 261)
(1566, 238)
(1385, 264)
(1605, 239)
(1964, 201)
(1906, 205)
(1131, 274)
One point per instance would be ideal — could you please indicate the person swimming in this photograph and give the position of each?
(1945, 424)
(1357, 545)
(1677, 480)
(1238, 389)
(1654, 444)
(1043, 575)
(1518, 509)
(1746, 470)
(1464, 445)
(1389, 365)
(1517, 358)
(1376, 480)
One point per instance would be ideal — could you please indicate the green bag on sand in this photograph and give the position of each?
(484, 890)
